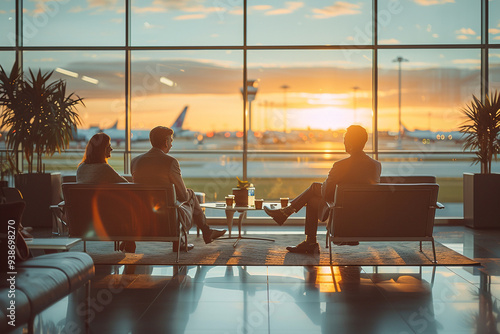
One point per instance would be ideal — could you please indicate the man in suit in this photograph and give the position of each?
(156, 167)
(359, 168)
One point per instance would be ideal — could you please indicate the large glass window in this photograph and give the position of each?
(309, 22)
(74, 23)
(197, 93)
(426, 90)
(494, 69)
(306, 98)
(8, 23)
(494, 21)
(173, 22)
(429, 22)
(96, 76)
(7, 59)
(310, 69)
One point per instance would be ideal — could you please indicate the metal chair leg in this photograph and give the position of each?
(434, 251)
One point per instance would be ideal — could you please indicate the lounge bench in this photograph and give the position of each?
(39, 283)
(122, 211)
(383, 212)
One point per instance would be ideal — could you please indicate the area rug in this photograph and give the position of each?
(266, 253)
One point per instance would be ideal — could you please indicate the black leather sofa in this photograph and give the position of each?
(40, 282)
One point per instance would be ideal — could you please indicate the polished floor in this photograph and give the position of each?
(238, 299)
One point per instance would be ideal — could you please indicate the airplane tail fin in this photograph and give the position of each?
(180, 120)
(404, 129)
(114, 126)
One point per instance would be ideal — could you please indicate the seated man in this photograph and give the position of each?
(358, 168)
(156, 167)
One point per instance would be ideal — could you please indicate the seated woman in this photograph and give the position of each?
(94, 168)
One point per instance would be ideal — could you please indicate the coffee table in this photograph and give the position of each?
(60, 244)
(230, 211)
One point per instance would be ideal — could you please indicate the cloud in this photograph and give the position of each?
(196, 11)
(465, 31)
(466, 61)
(190, 17)
(291, 7)
(140, 10)
(102, 4)
(202, 9)
(389, 41)
(338, 9)
(435, 35)
(496, 38)
(494, 31)
(462, 37)
(433, 2)
(237, 11)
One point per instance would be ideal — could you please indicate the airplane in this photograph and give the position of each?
(118, 135)
(427, 136)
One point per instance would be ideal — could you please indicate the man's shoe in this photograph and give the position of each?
(347, 243)
(175, 245)
(278, 215)
(304, 248)
(212, 234)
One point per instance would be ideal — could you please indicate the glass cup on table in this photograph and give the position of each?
(229, 201)
(258, 204)
(284, 202)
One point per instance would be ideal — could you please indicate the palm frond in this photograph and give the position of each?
(37, 113)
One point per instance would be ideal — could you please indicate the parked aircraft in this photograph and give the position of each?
(432, 136)
(118, 135)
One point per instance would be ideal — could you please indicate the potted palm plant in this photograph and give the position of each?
(482, 191)
(40, 119)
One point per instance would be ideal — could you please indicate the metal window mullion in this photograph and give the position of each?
(375, 80)
(245, 90)
(128, 111)
(484, 49)
(19, 161)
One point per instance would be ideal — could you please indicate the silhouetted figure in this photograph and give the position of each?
(95, 169)
(359, 168)
(156, 167)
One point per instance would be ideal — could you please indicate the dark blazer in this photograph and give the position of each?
(157, 168)
(359, 168)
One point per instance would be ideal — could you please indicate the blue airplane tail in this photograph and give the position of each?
(180, 120)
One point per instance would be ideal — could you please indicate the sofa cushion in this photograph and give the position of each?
(42, 286)
(78, 267)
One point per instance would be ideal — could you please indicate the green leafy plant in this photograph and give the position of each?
(482, 128)
(38, 115)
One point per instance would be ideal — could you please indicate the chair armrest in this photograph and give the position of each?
(439, 205)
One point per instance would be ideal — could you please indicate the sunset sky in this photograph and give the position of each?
(321, 93)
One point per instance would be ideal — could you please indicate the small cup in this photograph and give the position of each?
(258, 204)
(229, 201)
(284, 202)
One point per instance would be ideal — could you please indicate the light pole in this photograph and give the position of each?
(355, 88)
(252, 87)
(399, 60)
(284, 87)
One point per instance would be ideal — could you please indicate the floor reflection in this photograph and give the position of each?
(277, 299)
